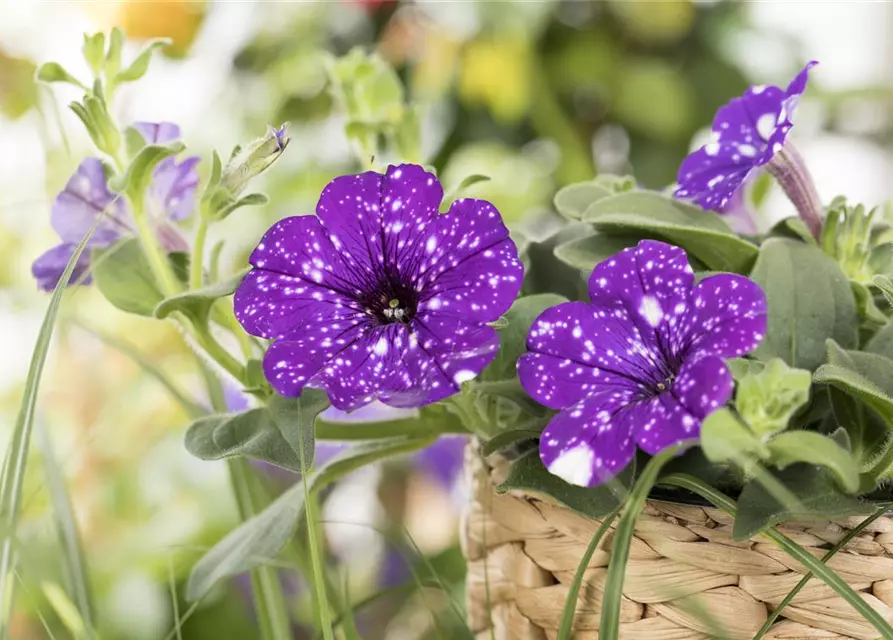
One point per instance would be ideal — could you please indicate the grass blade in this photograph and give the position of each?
(14, 471)
(74, 563)
(251, 499)
(565, 628)
(269, 601)
(320, 593)
(609, 626)
(794, 550)
(852, 533)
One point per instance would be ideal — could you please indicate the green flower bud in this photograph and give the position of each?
(252, 160)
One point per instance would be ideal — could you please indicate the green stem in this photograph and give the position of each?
(319, 577)
(158, 262)
(214, 349)
(196, 265)
(795, 551)
(609, 627)
(570, 604)
(269, 601)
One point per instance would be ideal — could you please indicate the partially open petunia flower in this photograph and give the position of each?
(749, 132)
(378, 296)
(641, 364)
(170, 197)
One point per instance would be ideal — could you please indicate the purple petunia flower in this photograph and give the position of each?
(641, 364)
(170, 197)
(378, 296)
(749, 132)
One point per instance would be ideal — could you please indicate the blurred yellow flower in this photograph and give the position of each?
(178, 20)
(495, 73)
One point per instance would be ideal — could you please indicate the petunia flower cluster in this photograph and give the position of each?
(170, 198)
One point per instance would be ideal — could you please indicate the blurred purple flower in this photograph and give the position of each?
(170, 197)
(748, 132)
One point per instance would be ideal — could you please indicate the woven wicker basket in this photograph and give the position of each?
(684, 568)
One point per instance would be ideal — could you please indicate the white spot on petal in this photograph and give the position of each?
(574, 465)
(766, 125)
(463, 375)
(651, 310)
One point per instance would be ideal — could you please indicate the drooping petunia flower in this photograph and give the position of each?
(750, 132)
(170, 197)
(641, 364)
(378, 296)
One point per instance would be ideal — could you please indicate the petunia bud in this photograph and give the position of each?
(253, 159)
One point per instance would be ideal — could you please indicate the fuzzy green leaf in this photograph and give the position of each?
(767, 400)
(197, 303)
(818, 495)
(814, 448)
(584, 253)
(54, 72)
(529, 474)
(252, 433)
(296, 417)
(809, 301)
(122, 274)
(140, 65)
(702, 234)
(724, 438)
(138, 175)
(865, 376)
(571, 201)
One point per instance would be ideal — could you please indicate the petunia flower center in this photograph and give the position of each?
(391, 302)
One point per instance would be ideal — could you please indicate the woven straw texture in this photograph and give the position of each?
(686, 579)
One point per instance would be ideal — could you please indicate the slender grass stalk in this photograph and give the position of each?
(795, 551)
(565, 628)
(316, 560)
(852, 533)
(175, 604)
(609, 626)
(269, 601)
(14, 470)
(73, 561)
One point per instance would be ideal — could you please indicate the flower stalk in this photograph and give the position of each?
(790, 171)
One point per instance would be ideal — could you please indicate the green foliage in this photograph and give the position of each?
(573, 200)
(197, 304)
(94, 52)
(528, 474)
(809, 301)
(586, 252)
(818, 497)
(122, 273)
(137, 69)
(55, 72)
(253, 433)
(545, 273)
(768, 399)
(258, 540)
(137, 177)
(295, 419)
(13, 471)
(702, 234)
(724, 438)
(513, 338)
